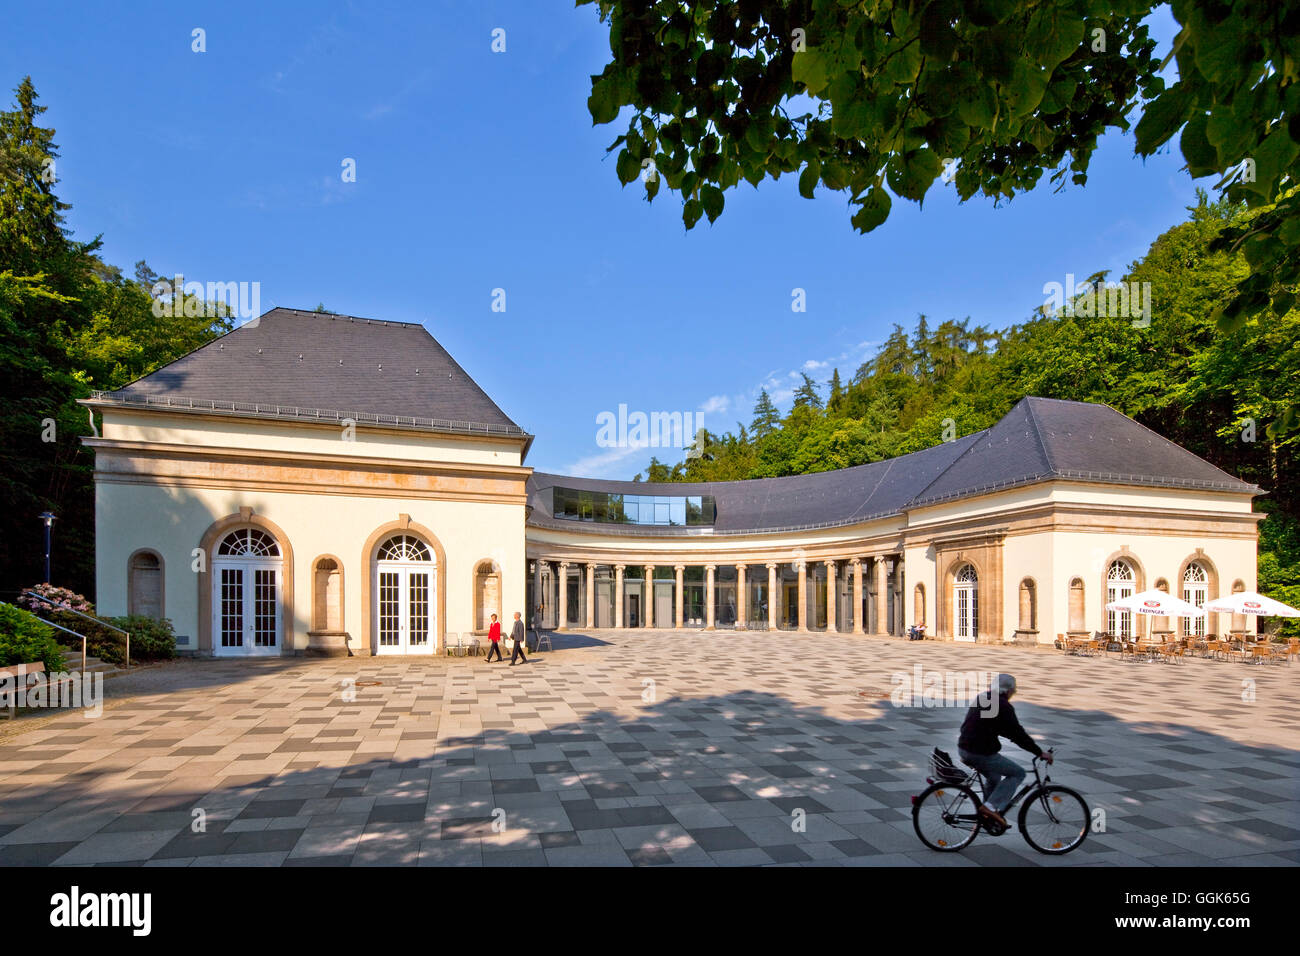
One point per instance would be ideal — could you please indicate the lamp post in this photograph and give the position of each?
(48, 518)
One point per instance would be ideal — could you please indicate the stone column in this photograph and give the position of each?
(882, 618)
(742, 598)
(562, 612)
(678, 597)
(649, 616)
(708, 597)
(618, 594)
(832, 599)
(591, 595)
(771, 597)
(802, 568)
(856, 564)
(537, 590)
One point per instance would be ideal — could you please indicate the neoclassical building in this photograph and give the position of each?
(325, 483)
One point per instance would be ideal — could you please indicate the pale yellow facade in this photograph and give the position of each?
(172, 483)
(325, 502)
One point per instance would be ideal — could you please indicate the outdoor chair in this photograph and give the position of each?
(452, 646)
(1171, 652)
(544, 637)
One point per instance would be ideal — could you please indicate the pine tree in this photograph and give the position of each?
(766, 416)
(837, 393)
(806, 395)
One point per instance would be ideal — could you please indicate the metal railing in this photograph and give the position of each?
(298, 413)
(88, 617)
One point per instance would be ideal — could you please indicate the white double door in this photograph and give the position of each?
(246, 608)
(404, 617)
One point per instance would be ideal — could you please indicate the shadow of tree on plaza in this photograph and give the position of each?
(666, 778)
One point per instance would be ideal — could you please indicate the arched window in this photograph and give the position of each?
(918, 605)
(404, 547)
(1120, 581)
(1196, 584)
(248, 542)
(144, 585)
(1078, 616)
(965, 600)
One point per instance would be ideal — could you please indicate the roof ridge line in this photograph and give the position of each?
(1038, 434)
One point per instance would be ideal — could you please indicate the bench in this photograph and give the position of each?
(15, 677)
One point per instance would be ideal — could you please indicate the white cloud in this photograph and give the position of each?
(715, 403)
(605, 461)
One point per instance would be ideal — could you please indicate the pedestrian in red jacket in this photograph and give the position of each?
(494, 635)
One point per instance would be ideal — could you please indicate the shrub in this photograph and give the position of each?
(62, 597)
(101, 642)
(26, 639)
(151, 640)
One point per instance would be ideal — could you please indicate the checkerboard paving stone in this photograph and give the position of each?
(791, 755)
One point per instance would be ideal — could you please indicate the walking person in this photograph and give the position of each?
(517, 635)
(494, 635)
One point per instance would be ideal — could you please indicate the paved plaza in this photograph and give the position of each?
(639, 748)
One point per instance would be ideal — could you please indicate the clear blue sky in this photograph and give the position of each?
(479, 170)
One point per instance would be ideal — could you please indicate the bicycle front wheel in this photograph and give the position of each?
(1054, 820)
(944, 817)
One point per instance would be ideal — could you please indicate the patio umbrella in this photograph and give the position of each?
(1156, 603)
(1248, 602)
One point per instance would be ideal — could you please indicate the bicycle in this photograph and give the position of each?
(1053, 820)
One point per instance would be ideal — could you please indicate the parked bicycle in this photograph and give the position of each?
(1053, 820)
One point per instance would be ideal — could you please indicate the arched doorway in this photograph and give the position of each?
(965, 603)
(1120, 584)
(405, 582)
(247, 584)
(1196, 590)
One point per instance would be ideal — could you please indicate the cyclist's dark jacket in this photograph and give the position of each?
(979, 735)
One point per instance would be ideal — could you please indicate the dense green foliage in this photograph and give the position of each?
(25, 639)
(882, 98)
(69, 323)
(1213, 392)
(150, 639)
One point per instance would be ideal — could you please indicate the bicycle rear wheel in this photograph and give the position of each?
(1054, 820)
(944, 817)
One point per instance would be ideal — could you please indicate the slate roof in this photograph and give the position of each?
(1038, 440)
(294, 364)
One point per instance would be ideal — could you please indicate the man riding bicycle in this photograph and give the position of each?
(978, 746)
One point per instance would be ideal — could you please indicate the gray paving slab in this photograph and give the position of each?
(446, 762)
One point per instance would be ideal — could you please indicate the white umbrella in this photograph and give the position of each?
(1157, 603)
(1248, 602)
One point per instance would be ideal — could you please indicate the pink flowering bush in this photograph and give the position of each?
(63, 598)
